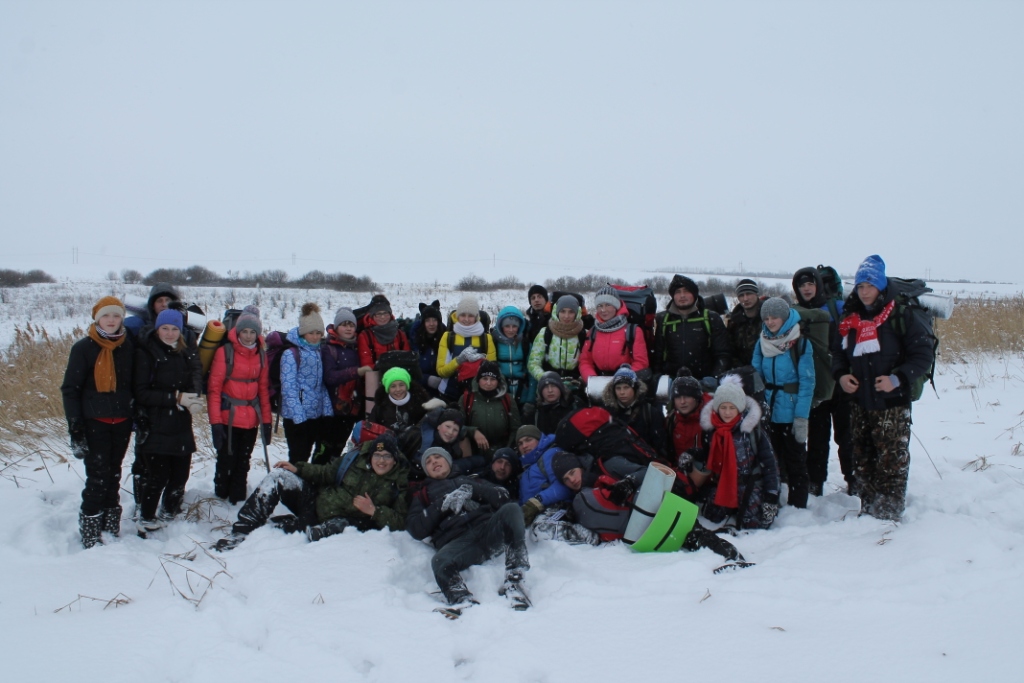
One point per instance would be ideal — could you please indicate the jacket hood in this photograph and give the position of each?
(751, 417)
(503, 314)
(791, 321)
(819, 293)
(609, 399)
(158, 290)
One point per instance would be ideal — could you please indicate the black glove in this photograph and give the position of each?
(498, 497)
(267, 434)
(220, 436)
(141, 430)
(622, 490)
(79, 444)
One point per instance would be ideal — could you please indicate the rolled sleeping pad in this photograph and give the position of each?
(939, 305)
(372, 381)
(595, 388)
(194, 318)
(212, 337)
(135, 304)
(657, 480)
(669, 528)
(663, 387)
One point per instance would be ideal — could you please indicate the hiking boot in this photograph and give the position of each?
(513, 591)
(228, 542)
(147, 526)
(89, 527)
(112, 521)
(815, 488)
(333, 526)
(573, 534)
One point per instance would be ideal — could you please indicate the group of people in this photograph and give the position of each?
(469, 435)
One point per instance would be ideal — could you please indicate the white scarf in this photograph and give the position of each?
(776, 346)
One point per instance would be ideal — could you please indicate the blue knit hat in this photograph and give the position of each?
(872, 271)
(169, 316)
(625, 375)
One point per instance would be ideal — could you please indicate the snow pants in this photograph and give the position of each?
(830, 419)
(280, 486)
(107, 445)
(792, 457)
(163, 476)
(232, 473)
(881, 457)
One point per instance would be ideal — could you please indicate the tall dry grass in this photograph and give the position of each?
(982, 326)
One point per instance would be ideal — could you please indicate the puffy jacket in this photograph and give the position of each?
(334, 499)
(562, 354)
(79, 386)
(371, 348)
(451, 345)
(539, 481)
(159, 375)
(684, 432)
(490, 416)
(744, 332)
(427, 346)
(906, 351)
(341, 363)
(643, 416)
(512, 355)
(303, 394)
(699, 342)
(426, 518)
(249, 381)
(788, 390)
(604, 352)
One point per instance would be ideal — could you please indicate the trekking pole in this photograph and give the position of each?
(266, 456)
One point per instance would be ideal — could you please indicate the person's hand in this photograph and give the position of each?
(481, 440)
(455, 500)
(531, 509)
(363, 369)
(79, 444)
(769, 511)
(469, 355)
(800, 429)
(364, 504)
(622, 490)
(849, 384)
(884, 384)
(190, 402)
(433, 381)
(285, 465)
(266, 432)
(219, 435)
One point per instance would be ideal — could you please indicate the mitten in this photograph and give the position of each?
(266, 432)
(531, 509)
(219, 433)
(454, 501)
(79, 444)
(800, 429)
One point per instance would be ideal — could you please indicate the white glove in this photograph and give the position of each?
(469, 355)
(800, 429)
(433, 381)
(191, 402)
(455, 500)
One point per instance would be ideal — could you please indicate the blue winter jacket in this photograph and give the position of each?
(303, 394)
(512, 356)
(790, 390)
(539, 481)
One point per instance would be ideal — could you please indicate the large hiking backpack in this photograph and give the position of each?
(208, 346)
(907, 294)
(277, 343)
(594, 431)
(814, 329)
(407, 360)
(832, 285)
(641, 307)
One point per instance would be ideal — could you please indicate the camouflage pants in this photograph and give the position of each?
(881, 459)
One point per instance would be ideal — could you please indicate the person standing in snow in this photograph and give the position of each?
(304, 398)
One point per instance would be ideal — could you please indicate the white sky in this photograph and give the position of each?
(419, 140)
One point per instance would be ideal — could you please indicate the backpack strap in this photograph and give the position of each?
(346, 463)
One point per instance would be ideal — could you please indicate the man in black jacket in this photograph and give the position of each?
(468, 520)
(689, 334)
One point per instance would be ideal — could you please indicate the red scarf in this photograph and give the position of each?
(866, 340)
(722, 461)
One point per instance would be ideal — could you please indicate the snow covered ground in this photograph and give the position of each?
(833, 597)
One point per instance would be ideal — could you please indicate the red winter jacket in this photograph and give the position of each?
(610, 351)
(684, 431)
(249, 378)
(370, 349)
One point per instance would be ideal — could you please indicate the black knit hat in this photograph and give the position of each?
(385, 442)
(747, 285)
(681, 281)
(562, 462)
(431, 310)
(451, 415)
(537, 289)
(489, 368)
(686, 386)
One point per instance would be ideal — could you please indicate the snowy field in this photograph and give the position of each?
(833, 597)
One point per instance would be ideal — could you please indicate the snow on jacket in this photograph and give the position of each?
(341, 363)
(788, 390)
(699, 341)
(539, 481)
(303, 394)
(160, 374)
(562, 355)
(756, 466)
(371, 348)
(603, 352)
(249, 381)
(512, 355)
(426, 519)
(79, 386)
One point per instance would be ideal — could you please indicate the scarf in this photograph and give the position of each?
(408, 396)
(467, 331)
(776, 346)
(615, 323)
(722, 461)
(385, 333)
(103, 372)
(565, 330)
(866, 340)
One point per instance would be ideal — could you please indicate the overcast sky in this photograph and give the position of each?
(411, 141)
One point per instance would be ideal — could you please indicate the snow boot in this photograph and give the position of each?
(513, 591)
(333, 526)
(699, 537)
(573, 534)
(144, 527)
(228, 542)
(89, 527)
(112, 521)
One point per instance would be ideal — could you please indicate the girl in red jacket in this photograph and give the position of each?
(238, 403)
(613, 341)
(380, 334)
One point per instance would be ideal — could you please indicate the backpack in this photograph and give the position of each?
(814, 328)
(276, 344)
(208, 345)
(906, 294)
(594, 431)
(832, 286)
(407, 360)
(641, 307)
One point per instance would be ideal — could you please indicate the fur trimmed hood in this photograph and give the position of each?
(609, 399)
(751, 417)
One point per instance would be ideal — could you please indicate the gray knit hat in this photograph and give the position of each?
(776, 308)
(730, 392)
(435, 450)
(568, 302)
(249, 320)
(746, 285)
(344, 315)
(608, 295)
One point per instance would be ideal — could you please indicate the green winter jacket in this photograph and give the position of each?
(387, 492)
(497, 417)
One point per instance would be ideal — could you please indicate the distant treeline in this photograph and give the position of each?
(204, 277)
(15, 278)
(592, 283)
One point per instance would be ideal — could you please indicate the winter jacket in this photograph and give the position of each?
(834, 308)
(531, 457)
(548, 415)
(249, 382)
(160, 374)
(756, 467)
(684, 432)
(426, 436)
(142, 320)
(427, 346)
(604, 352)
(341, 363)
(371, 348)
(744, 332)
(451, 345)
(788, 390)
(335, 500)
(303, 394)
(539, 481)
(512, 355)
(906, 351)
(426, 519)
(81, 400)
(699, 342)
(561, 354)
(538, 320)
(397, 417)
(643, 416)
(490, 415)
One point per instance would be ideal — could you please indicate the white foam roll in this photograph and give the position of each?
(939, 305)
(595, 388)
(657, 481)
(664, 385)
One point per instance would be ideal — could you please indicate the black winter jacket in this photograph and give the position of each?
(426, 518)
(744, 332)
(81, 400)
(679, 342)
(159, 374)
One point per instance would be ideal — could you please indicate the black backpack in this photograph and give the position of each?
(905, 293)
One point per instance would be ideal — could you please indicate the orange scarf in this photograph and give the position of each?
(103, 372)
(722, 461)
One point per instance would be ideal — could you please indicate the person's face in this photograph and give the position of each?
(381, 317)
(448, 431)
(683, 298)
(487, 383)
(502, 469)
(605, 312)
(550, 393)
(867, 293)
(526, 444)
(773, 323)
(573, 479)
(161, 303)
(437, 467)
(398, 390)
(168, 334)
(247, 336)
(110, 322)
(625, 393)
(537, 301)
(347, 330)
(383, 462)
(467, 319)
(313, 337)
(566, 315)
(808, 290)
(748, 300)
(684, 405)
(728, 412)
(510, 328)
(430, 325)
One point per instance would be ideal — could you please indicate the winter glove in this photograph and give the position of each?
(265, 429)
(469, 355)
(456, 500)
(433, 381)
(190, 402)
(531, 509)
(434, 403)
(800, 429)
(498, 497)
(79, 444)
(768, 513)
(621, 491)
(363, 369)
(685, 462)
(219, 433)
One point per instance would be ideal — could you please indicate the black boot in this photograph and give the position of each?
(333, 526)
(112, 521)
(699, 537)
(89, 527)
